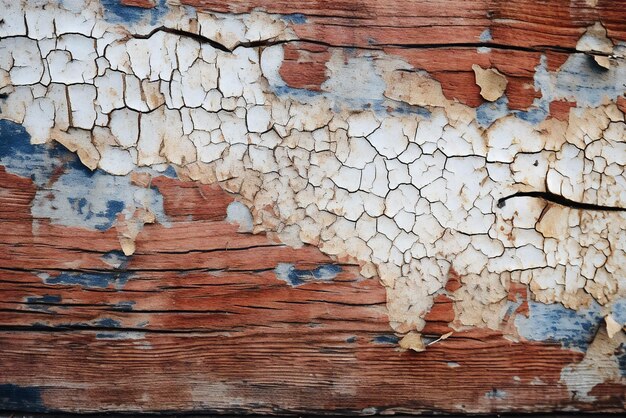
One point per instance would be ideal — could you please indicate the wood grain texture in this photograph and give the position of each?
(198, 320)
(201, 319)
(439, 37)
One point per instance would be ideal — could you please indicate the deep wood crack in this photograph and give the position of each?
(561, 200)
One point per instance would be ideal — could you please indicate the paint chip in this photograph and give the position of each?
(612, 326)
(413, 341)
(492, 82)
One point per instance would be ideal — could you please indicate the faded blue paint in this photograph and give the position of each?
(295, 18)
(116, 259)
(618, 310)
(620, 354)
(21, 398)
(386, 339)
(115, 12)
(40, 303)
(485, 36)
(124, 306)
(285, 90)
(354, 71)
(556, 323)
(108, 323)
(579, 80)
(351, 339)
(90, 280)
(496, 394)
(121, 335)
(94, 199)
(296, 277)
(44, 299)
(400, 108)
(488, 112)
(511, 307)
(170, 172)
(339, 86)
(534, 115)
(20, 157)
(237, 212)
(78, 196)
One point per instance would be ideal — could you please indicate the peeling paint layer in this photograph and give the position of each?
(377, 168)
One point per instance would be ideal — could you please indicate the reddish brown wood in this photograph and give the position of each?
(144, 4)
(203, 323)
(559, 109)
(304, 66)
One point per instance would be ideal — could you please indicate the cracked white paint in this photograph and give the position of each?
(408, 194)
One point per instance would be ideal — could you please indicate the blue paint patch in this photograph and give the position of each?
(20, 157)
(534, 115)
(115, 12)
(350, 339)
(108, 323)
(496, 394)
(296, 277)
(487, 113)
(556, 323)
(620, 354)
(40, 303)
(618, 310)
(121, 335)
(90, 280)
(578, 80)
(113, 207)
(124, 306)
(93, 199)
(386, 339)
(21, 398)
(116, 259)
(339, 87)
(170, 172)
(285, 90)
(402, 108)
(581, 79)
(295, 18)
(69, 193)
(44, 299)
(237, 212)
(485, 36)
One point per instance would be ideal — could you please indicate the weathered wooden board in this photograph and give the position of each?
(220, 331)
(201, 314)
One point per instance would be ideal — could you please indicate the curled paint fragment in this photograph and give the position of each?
(612, 326)
(412, 341)
(128, 229)
(596, 42)
(492, 82)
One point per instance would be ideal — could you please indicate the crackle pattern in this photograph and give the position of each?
(378, 168)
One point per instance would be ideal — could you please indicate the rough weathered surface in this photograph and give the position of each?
(220, 330)
(312, 207)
